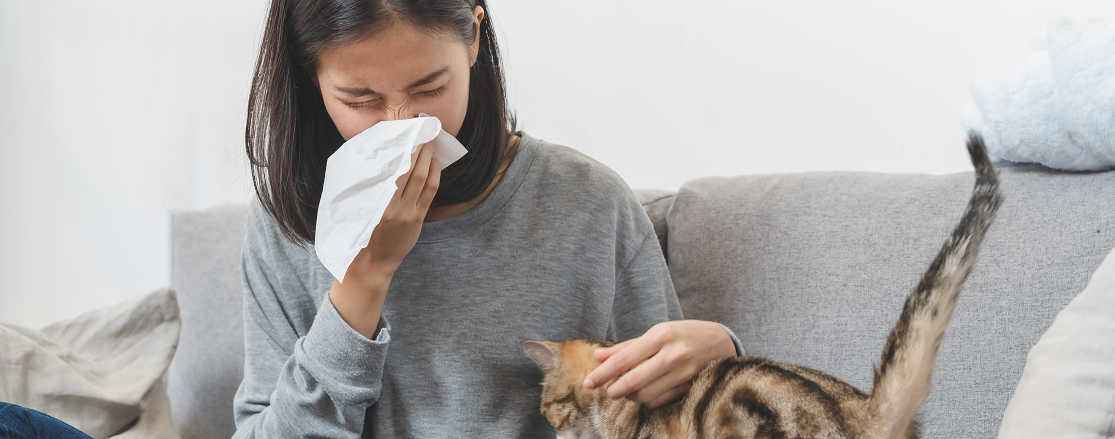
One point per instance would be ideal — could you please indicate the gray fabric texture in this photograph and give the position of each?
(813, 269)
(209, 363)
(657, 203)
(560, 250)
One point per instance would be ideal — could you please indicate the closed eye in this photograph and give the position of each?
(426, 94)
(434, 93)
(361, 104)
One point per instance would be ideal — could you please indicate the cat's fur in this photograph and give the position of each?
(746, 397)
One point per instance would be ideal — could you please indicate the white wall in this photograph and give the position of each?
(113, 112)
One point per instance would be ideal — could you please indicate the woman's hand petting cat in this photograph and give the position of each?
(674, 353)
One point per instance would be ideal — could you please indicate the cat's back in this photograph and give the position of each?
(747, 397)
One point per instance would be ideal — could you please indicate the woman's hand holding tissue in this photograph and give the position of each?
(359, 300)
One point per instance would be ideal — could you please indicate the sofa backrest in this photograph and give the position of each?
(814, 269)
(806, 268)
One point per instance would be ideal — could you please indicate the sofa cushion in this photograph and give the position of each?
(814, 268)
(209, 364)
(98, 372)
(1068, 386)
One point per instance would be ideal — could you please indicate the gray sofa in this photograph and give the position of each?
(807, 268)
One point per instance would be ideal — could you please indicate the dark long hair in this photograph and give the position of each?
(289, 134)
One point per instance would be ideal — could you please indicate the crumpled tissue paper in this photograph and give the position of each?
(1058, 107)
(360, 181)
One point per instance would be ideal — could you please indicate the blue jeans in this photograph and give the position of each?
(22, 423)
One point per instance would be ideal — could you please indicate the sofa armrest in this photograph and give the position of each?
(209, 364)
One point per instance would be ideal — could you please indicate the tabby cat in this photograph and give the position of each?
(747, 397)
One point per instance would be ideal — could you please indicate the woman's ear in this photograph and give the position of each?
(474, 48)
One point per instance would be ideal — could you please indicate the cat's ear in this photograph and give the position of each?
(544, 354)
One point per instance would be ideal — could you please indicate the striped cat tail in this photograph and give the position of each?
(903, 375)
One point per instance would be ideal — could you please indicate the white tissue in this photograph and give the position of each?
(360, 181)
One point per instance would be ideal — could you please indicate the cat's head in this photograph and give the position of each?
(566, 403)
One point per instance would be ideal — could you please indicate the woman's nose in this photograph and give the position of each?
(401, 112)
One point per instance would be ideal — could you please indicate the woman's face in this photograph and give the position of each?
(397, 74)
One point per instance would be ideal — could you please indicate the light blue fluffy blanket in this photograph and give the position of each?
(1058, 107)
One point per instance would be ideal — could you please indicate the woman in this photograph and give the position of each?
(518, 240)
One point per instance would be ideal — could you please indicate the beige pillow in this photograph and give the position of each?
(100, 371)
(1067, 389)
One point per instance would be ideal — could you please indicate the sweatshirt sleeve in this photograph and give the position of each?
(316, 385)
(645, 294)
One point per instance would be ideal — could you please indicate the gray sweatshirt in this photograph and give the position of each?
(559, 250)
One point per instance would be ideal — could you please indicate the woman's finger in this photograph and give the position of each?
(639, 377)
(603, 354)
(669, 395)
(673, 376)
(418, 174)
(621, 361)
(392, 209)
(432, 182)
(400, 184)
